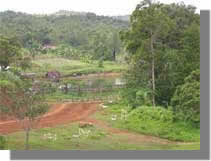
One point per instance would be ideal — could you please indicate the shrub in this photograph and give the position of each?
(158, 121)
(147, 113)
(150, 120)
(186, 100)
(2, 142)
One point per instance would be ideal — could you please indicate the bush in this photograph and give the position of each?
(2, 142)
(186, 100)
(152, 113)
(136, 97)
(150, 120)
(156, 121)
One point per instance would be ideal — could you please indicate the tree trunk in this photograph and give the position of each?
(153, 70)
(27, 139)
(114, 55)
(153, 81)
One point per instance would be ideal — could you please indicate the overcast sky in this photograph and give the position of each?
(100, 7)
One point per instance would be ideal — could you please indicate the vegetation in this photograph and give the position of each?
(11, 54)
(186, 100)
(75, 33)
(151, 121)
(43, 64)
(2, 142)
(174, 40)
(99, 139)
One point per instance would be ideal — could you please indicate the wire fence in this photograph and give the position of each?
(66, 89)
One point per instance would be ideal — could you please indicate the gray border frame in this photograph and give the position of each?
(203, 153)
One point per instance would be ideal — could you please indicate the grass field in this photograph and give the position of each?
(73, 67)
(99, 139)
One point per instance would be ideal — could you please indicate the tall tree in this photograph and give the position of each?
(149, 23)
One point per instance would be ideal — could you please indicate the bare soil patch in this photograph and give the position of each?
(58, 114)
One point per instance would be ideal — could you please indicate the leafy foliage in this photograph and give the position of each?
(186, 100)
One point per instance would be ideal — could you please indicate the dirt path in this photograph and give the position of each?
(58, 114)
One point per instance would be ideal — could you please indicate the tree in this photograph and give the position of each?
(149, 23)
(115, 45)
(21, 100)
(12, 54)
(9, 51)
(181, 55)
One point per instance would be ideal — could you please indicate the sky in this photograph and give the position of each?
(100, 7)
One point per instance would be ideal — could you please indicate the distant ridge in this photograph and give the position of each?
(75, 13)
(69, 13)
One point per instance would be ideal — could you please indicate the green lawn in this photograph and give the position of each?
(99, 139)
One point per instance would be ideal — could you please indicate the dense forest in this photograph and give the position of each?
(85, 33)
(145, 68)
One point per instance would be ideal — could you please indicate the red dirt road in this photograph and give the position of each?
(58, 114)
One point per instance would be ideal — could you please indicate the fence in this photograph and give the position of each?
(98, 89)
(93, 99)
